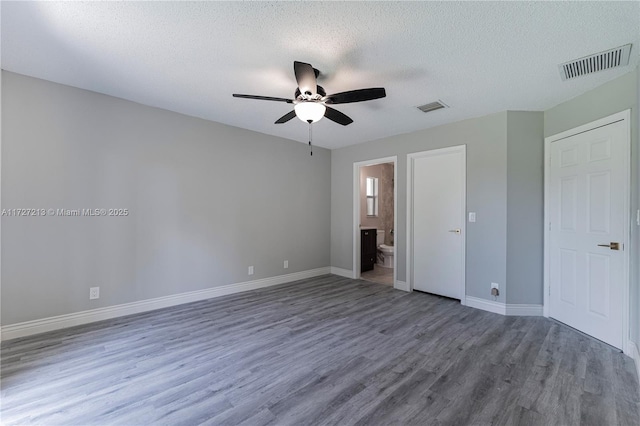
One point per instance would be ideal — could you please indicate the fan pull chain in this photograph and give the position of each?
(310, 147)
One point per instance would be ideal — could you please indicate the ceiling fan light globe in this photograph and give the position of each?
(310, 111)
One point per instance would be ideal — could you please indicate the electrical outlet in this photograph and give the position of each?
(250, 271)
(94, 293)
(495, 285)
(286, 264)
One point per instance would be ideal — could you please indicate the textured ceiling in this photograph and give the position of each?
(478, 58)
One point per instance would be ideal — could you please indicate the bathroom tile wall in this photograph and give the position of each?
(384, 220)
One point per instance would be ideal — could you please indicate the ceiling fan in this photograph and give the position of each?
(311, 101)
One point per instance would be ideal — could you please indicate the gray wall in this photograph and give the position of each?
(486, 140)
(615, 96)
(525, 207)
(206, 201)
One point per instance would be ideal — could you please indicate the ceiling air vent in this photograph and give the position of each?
(612, 58)
(433, 106)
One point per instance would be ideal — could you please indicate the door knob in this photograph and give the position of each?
(612, 246)
(457, 230)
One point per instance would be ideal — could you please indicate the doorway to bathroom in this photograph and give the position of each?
(375, 220)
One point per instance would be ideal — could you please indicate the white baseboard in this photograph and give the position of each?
(523, 310)
(503, 308)
(486, 305)
(401, 285)
(28, 328)
(634, 353)
(347, 273)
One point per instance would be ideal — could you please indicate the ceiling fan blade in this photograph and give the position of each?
(263, 98)
(288, 116)
(337, 116)
(306, 78)
(356, 96)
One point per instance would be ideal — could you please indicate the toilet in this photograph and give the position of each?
(385, 252)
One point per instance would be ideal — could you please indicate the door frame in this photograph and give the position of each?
(620, 116)
(356, 214)
(410, 167)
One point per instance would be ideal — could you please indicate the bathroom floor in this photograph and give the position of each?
(379, 275)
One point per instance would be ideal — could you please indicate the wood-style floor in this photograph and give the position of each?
(326, 351)
(378, 275)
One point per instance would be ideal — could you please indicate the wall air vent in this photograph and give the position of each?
(612, 58)
(433, 106)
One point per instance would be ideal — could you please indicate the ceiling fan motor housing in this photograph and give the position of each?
(307, 96)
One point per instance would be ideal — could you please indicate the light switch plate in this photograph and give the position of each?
(472, 216)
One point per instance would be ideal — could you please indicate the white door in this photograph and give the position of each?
(587, 202)
(437, 221)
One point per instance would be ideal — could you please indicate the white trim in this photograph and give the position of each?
(545, 229)
(356, 211)
(78, 318)
(512, 310)
(463, 220)
(0, 179)
(342, 272)
(623, 115)
(487, 305)
(523, 310)
(634, 353)
(396, 283)
(402, 285)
